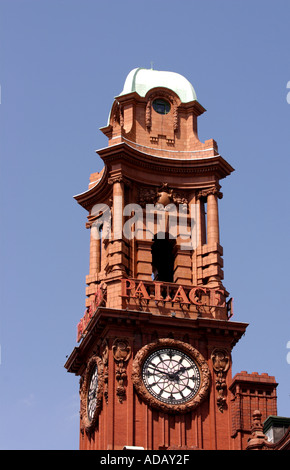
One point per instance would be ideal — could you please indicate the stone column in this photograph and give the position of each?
(209, 252)
(117, 250)
(118, 207)
(187, 241)
(95, 251)
(212, 219)
(202, 224)
(93, 277)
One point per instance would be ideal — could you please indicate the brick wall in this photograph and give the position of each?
(250, 392)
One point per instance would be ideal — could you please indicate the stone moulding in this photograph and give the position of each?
(146, 396)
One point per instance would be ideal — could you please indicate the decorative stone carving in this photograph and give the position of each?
(119, 179)
(221, 363)
(206, 192)
(105, 359)
(117, 114)
(162, 195)
(121, 353)
(257, 440)
(172, 101)
(145, 395)
(179, 198)
(115, 179)
(146, 196)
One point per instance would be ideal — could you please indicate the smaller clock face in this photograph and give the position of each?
(92, 394)
(171, 376)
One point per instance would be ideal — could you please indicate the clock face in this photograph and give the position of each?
(171, 376)
(92, 394)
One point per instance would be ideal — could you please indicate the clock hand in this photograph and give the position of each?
(156, 369)
(183, 369)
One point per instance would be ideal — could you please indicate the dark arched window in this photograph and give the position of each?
(163, 258)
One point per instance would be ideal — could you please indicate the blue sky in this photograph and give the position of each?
(62, 63)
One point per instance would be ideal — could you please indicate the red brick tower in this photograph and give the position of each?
(154, 353)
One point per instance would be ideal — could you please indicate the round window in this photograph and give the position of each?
(161, 106)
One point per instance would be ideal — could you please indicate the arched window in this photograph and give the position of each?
(162, 258)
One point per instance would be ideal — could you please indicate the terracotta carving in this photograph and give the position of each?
(121, 353)
(221, 363)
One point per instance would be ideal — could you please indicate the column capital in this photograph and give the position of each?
(119, 179)
(213, 190)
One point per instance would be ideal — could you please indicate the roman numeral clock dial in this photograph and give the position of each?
(171, 375)
(92, 394)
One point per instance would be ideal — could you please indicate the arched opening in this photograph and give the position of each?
(163, 258)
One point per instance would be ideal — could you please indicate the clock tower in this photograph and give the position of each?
(155, 341)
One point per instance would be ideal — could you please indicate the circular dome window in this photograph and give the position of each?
(161, 106)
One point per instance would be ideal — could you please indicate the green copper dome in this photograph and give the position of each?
(142, 80)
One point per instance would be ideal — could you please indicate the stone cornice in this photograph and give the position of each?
(106, 316)
(169, 164)
(138, 166)
(100, 190)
